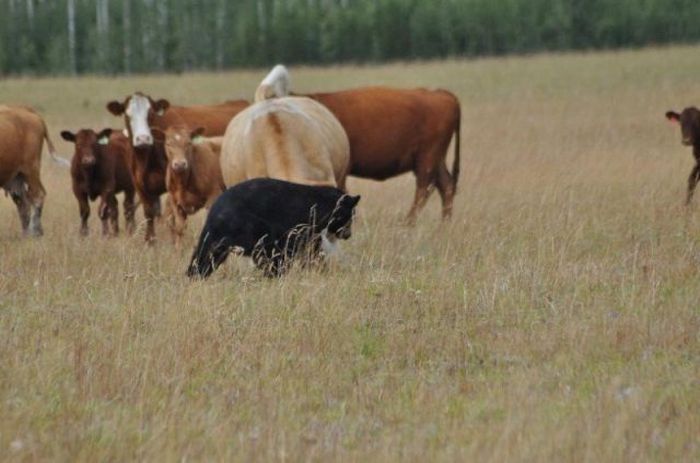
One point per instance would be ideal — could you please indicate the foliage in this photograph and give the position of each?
(177, 35)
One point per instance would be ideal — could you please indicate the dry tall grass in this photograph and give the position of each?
(556, 318)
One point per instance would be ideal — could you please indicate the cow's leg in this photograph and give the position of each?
(158, 211)
(112, 214)
(170, 215)
(17, 189)
(103, 214)
(129, 211)
(150, 224)
(84, 207)
(36, 194)
(149, 211)
(446, 188)
(424, 186)
(177, 222)
(692, 183)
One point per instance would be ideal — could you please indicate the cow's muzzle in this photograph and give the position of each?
(88, 161)
(141, 141)
(179, 166)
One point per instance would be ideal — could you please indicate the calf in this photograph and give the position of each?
(272, 221)
(193, 175)
(689, 120)
(100, 169)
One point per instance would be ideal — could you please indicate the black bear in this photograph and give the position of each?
(273, 222)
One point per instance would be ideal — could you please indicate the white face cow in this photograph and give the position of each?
(139, 111)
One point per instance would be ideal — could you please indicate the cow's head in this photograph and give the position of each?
(689, 120)
(87, 144)
(178, 142)
(139, 113)
(340, 222)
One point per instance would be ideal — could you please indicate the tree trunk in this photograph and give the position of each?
(71, 37)
(220, 19)
(30, 13)
(126, 12)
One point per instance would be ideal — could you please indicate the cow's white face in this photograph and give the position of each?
(137, 115)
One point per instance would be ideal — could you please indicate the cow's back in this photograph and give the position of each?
(213, 118)
(293, 139)
(387, 127)
(21, 139)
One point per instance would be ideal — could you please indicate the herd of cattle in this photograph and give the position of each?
(194, 153)
(308, 144)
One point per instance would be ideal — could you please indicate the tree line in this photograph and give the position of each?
(103, 36)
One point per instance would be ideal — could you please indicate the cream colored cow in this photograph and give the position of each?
(289, 138)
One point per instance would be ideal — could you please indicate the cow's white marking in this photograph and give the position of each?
(137, 110)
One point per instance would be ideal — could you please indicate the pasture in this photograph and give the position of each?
(555, 318)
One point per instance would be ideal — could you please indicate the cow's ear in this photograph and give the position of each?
(160, 106)
(354, 200)
(673, 116)
(158, 134)
(115, 108)
(103, 136)
(68, 136)
(196, 135)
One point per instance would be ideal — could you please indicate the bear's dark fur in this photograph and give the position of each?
(273, 222)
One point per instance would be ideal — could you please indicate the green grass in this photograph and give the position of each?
(556, 318)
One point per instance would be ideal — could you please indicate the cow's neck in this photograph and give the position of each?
(182, 180)
(141, 156)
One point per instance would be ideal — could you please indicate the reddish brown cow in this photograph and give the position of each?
(394, 131)
(193, 174)
(141, 113)
(689, 121)
(100, 169)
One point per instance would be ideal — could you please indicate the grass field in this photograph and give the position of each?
(556, 318)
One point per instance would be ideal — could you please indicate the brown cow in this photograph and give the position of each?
(689, 120)
(22, 134)
(141, 113)
(193, 175)
(100, 169)
(394, 131)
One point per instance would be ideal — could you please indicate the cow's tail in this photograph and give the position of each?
(52, 150)
(457, 131)
(276, 84)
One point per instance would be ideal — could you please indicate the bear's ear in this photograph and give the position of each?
(353, 200)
